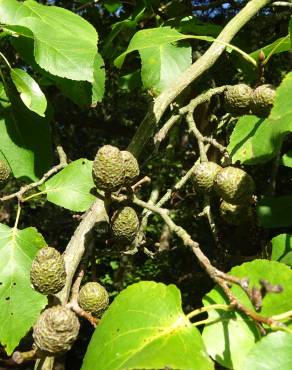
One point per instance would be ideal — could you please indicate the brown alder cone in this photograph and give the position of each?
(263, 98)
(4, 174)
(56, 330)
(237, 99)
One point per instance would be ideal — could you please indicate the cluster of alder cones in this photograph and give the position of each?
(113, 169)
(232, 184)
(241, 99)
(57, 327)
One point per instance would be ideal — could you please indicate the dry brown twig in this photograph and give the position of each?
(62, 164)
(21, 357)
(188, 112)
(219, 277)
(73, 303)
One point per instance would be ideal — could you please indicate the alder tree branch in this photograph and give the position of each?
(73, 303)
(78, 243)
(219, 277)
(188, 111)
(97, 214)
(162, 133)
(207, 60)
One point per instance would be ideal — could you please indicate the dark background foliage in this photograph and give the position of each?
(83, 129)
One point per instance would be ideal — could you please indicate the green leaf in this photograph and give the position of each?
(241, 142)
(161, 66)
(287, 159)
(229, 340)
(275, 211)
(154, 38)
(78, 91)
(145, 328)
(81, 93)
(25, 140)
(280, 45)
(127, 26)
(195, 26)
(272, 352)
(71, 187)
(155, 46)
(20, 305)
(282, 249)
(30, 92)
(256, 140)
(98, 85)
(65, 44)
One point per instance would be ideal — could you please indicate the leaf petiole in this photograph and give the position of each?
(5, 60)
(34, 195)
(200, 310)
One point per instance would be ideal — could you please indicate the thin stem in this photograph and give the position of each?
(144, 181)
(161, 134)
(200, 310)
(207, 212)
(19, 194)
(80, 312)
(73, 304)
(206, 322)
(17, 216)
(21, 357)
(198, 135)
(5, 60)
(189, 109)
(216, 275)
(4, 82)
(34, 195)
(272, 52)
(283, 316)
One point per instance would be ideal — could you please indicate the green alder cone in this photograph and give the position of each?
(263, 98)
(4, 174)
(56, 330)
(235, 214)
(93, 298)
(131, 167)
(125, 225)
(237, 99)
(108, 169)
(234, 185)
(48, 273)
(203, 176)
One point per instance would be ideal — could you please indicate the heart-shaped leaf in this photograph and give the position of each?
(145, 328)
(20, 305)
